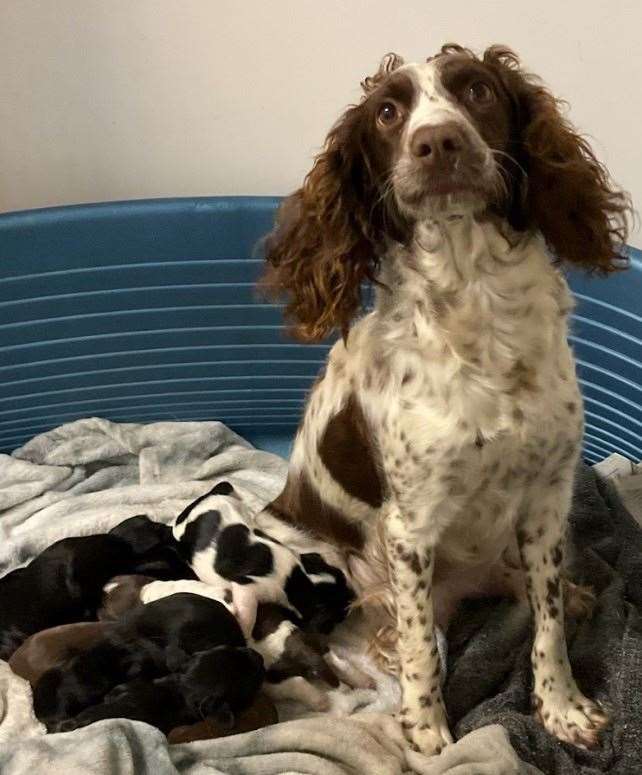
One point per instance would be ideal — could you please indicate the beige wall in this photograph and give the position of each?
(115, 99)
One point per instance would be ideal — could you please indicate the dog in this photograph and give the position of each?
(123, 593)
(216, 684)
(446, 427)
(64, 583)
(155, 549)
(217, 537)
(54, 647)
(148, 642)
(261, 713)
(295, 660)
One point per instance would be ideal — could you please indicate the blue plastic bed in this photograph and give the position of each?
(147, 310)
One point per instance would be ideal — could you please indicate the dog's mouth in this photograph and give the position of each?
(469, 186)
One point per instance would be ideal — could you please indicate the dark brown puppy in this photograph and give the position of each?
(217, 683)
(121, 594)
(151, 641)
(261, 713)
(55, 646)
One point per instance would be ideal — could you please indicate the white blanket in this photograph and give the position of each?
(89, 475)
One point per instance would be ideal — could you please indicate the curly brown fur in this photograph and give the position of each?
(559, 186)
(331, 233)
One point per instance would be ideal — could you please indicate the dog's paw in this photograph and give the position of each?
(574, 719)
(427, 736)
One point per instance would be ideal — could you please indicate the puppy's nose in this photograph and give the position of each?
(438, 145)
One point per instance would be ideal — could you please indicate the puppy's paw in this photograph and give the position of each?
(572, 718)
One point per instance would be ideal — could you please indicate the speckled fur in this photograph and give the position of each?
(467, 383)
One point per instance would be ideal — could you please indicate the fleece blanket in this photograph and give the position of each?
(87, 476)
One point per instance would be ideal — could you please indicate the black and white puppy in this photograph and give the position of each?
(217, 537)
(216, 684)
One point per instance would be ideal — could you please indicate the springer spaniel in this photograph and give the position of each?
(444, 434)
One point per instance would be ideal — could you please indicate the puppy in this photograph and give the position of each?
(154, 548)
(63, 584)
(121, 594)
(126, 592)
(293, 659)
(216, 684)
(216, 537)
(53, 647)
(261, 713)
(151, 641)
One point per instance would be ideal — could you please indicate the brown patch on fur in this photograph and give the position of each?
(302, 506)
(348, 452)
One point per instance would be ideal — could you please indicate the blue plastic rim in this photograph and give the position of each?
(147, 310)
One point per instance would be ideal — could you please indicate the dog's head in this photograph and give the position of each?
(454, 135)
(221, 681)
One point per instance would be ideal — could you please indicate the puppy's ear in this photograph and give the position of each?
(224, 716)
(567, 192)
(222, 488)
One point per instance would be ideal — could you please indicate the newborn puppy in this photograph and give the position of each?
(293, 658)
(261, 713)
(150, 641)
(217, 538)
(217, 683)
(121, 594)
(63, 584)
(126, 592)
(331, 597)
(154, 548)
(53, 647)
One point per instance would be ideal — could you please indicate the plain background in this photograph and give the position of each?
(120, 99)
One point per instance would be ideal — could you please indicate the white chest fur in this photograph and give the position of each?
(462, 369)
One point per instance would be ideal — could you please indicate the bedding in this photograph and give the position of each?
(89, 475)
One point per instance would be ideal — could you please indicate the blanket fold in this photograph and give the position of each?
(89, 475)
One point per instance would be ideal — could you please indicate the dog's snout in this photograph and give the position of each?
(439, 144)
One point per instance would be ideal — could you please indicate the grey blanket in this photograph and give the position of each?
(489, 646)
(87, 476)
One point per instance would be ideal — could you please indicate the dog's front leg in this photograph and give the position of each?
(561, 706)
(411, 560)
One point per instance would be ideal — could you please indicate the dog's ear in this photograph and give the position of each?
(564, 191)
(330, 234)
(389, 63)
(323, 248)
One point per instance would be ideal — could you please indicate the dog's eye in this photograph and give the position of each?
(480, 92)
(387, 113)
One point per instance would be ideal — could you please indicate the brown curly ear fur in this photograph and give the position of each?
(569, 196)
(321, 249)
(329, 233)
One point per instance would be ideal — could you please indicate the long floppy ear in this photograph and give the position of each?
(569, 196)
(330, 232)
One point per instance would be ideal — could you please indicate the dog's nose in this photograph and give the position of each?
(436, 145)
